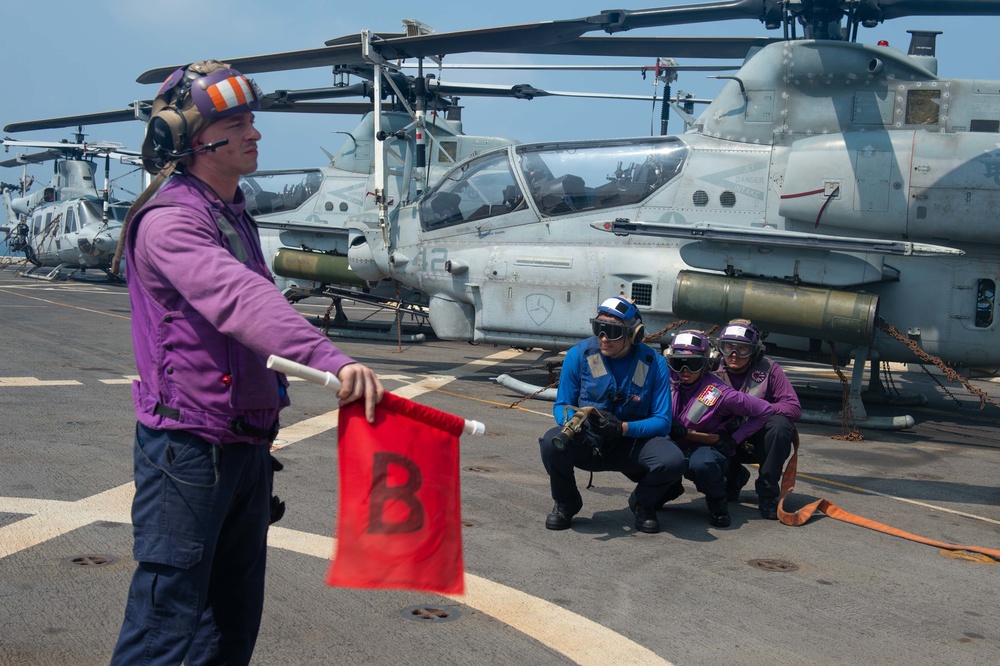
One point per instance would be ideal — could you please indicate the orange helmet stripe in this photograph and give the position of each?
(233, 92)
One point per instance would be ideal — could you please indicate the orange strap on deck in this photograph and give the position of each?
(801, 516)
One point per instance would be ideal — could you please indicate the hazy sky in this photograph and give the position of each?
(63, 57)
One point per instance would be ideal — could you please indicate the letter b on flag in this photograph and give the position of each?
(389, 497)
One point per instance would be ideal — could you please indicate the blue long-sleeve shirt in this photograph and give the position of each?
(635, 388)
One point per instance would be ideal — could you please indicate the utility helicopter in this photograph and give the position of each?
(68, 225)
(831, 186)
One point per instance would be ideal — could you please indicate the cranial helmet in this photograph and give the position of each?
(692, 349)
(625, 310)
(620, 307)
(191, 99)
(742, 331)
(691, 343)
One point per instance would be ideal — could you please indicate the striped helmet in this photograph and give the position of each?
(191, 99)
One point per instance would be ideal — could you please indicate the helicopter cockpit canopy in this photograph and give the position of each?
(566, 178)
(562, 178)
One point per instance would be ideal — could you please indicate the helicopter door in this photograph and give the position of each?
(536, 289)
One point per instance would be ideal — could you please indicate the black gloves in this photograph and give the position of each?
(677, 431)
(277, 506)
(726, 444)
(606, 425)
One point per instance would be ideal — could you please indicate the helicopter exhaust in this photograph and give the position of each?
(842, 316)
(317, 267)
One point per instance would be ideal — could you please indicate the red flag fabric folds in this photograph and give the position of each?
(399, 521)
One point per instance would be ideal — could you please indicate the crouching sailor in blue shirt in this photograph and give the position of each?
(613, 413)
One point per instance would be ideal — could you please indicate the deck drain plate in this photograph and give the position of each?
(430, 613)
(774, 565)
(90, 561)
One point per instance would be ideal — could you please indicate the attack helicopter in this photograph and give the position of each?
(69, 225)
(831, 187)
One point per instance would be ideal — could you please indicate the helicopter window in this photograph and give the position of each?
(276, 191)
(70, 225)
(92, 212)
(447, 152)
(985, 303)
(482, 188)
(923, 107)
(117, 212)
(565, 178)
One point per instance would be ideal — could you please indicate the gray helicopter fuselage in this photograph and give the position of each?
(838, 141)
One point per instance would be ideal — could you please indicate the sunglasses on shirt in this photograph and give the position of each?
(690, 363)
(609, 329)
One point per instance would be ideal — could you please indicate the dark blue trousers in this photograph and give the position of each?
(654, 464)
(707, 467)
(772, 445)
(200, 519)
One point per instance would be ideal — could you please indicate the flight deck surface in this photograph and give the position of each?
(757, 592)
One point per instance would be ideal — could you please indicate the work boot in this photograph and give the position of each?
(718, 512)
(768, 508)
(562, 515)
(672, 492)
(737, 478)
(645, 520)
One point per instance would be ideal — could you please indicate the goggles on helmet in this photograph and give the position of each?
(691, 363)
(740, 349)
(611, 330)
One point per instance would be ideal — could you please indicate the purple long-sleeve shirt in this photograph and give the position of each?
(767, 381)
(204, 322)
(720, 405)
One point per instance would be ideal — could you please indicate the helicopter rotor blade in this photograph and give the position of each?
(882, 10)
(581, 68)
(522, 91)
(566, 36)
(363, 89)
(333, 108)
(133, 112)
(524, 38)
(32, 158)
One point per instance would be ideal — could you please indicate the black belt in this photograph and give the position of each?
(237, 426)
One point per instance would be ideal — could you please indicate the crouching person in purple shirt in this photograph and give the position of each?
(205, 316)
(709, 419)
(747, 370)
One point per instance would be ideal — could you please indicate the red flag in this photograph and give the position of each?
(399, 523)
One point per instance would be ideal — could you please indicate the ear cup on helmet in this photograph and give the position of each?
(166, 134)
(167, 130)
(638, 333)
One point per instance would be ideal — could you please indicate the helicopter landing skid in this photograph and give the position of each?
(35, 273)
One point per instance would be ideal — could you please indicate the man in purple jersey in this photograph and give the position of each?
(747, 370)
(205, 317)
